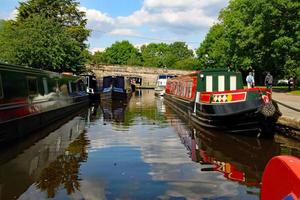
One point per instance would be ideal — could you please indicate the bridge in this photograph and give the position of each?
(148, 74)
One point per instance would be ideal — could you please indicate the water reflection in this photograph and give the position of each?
(137, 150)
(49, 163)
(114, 111)
(238, 158)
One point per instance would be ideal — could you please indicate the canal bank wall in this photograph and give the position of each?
(148, 74)
(289, 106)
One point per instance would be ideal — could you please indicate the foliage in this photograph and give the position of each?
(122, 53)
(48, 34)
(187, 64)
(213, 51)
(98, 58)
(7, 39)
(165, 56)
(154, 55)
(258, 33)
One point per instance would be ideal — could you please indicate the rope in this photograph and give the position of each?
(290, 107)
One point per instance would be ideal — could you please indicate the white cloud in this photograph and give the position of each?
(169, 18)
(124, 31)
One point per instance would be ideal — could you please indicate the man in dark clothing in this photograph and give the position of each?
(269, 81)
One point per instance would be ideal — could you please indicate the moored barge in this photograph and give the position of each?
(31, 99)
(216, 98)
(116, 88)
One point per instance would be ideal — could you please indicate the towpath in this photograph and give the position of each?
(289, 117)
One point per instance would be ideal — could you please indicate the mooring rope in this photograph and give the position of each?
(290, 107)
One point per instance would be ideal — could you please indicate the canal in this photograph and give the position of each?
(142, 150)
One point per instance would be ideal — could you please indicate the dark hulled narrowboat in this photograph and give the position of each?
(217, 99)
(92, 86)
(116, 88)
(32, 98)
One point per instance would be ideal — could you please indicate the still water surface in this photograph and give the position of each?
(141, 150)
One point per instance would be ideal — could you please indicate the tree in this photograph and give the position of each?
(213, 51)
(43, 43)
(7, 39)
(122, 53)
(154, 54)
(165, 55)
(65, 12)
(98, 58)
(48, 34)
(258, 33)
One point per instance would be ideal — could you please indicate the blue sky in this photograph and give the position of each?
(142, 21)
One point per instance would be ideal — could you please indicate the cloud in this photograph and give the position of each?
(175, 16)
(124, 31)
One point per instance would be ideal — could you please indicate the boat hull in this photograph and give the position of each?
(18, 128)
(242, 117)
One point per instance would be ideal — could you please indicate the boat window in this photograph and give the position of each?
(45, 84)
(221, 83)
(70, 87)
(232, 82)
(118, 82)
(32, 86)
(190, 89)
(107, 82)
(209, 83)
(1, 89)
(162, 76)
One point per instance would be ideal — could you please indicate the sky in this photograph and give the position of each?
(142, 21)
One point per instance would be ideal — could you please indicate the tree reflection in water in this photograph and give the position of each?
(64, 170)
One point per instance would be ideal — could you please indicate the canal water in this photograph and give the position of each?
(138, 150)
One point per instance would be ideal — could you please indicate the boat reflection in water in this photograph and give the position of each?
(113, 111)
(239, 158)
(50, 165)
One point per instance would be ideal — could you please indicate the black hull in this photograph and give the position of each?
(245, 117)
(94, 97)
(19, 128)
(112, 95)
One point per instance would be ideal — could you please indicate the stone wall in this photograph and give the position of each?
(148, 74)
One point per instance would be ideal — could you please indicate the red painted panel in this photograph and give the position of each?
(238, 96)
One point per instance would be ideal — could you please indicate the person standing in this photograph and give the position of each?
(291, 83)
(269, 81)
(250, 80)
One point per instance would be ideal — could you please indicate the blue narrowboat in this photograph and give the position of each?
(116, 88)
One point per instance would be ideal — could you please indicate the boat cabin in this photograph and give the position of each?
(219, 80)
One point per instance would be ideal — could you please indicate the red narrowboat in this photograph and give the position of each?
(216, 98)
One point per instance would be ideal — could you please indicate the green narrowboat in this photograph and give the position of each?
(32, 98)
(216, 98)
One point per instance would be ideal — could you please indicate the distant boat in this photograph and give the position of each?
(32, 98)
(116, 88)
(216, 98)
(161, 82)
(92, 86)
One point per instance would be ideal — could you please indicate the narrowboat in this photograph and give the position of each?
(161, 82)
(116, 88)
(92, 86)
(31, 99)
(216, 98)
